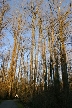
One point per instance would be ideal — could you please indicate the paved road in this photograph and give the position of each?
(8, 104)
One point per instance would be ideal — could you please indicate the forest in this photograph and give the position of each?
(36, 52)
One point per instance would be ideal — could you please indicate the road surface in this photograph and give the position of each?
(8, 104)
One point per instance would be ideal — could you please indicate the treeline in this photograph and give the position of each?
(39, 63)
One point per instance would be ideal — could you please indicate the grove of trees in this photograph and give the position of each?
(38, 66)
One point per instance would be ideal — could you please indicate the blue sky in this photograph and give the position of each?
(8, 40)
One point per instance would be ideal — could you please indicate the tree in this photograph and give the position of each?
(3, 23)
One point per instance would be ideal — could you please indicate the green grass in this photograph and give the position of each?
(19, 105)
(1, 101)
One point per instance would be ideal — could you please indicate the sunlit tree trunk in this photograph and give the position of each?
(62, 25)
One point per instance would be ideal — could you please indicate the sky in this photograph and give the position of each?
(8, 40)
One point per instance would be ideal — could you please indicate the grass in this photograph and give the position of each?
(19, 104)
(1, 101)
